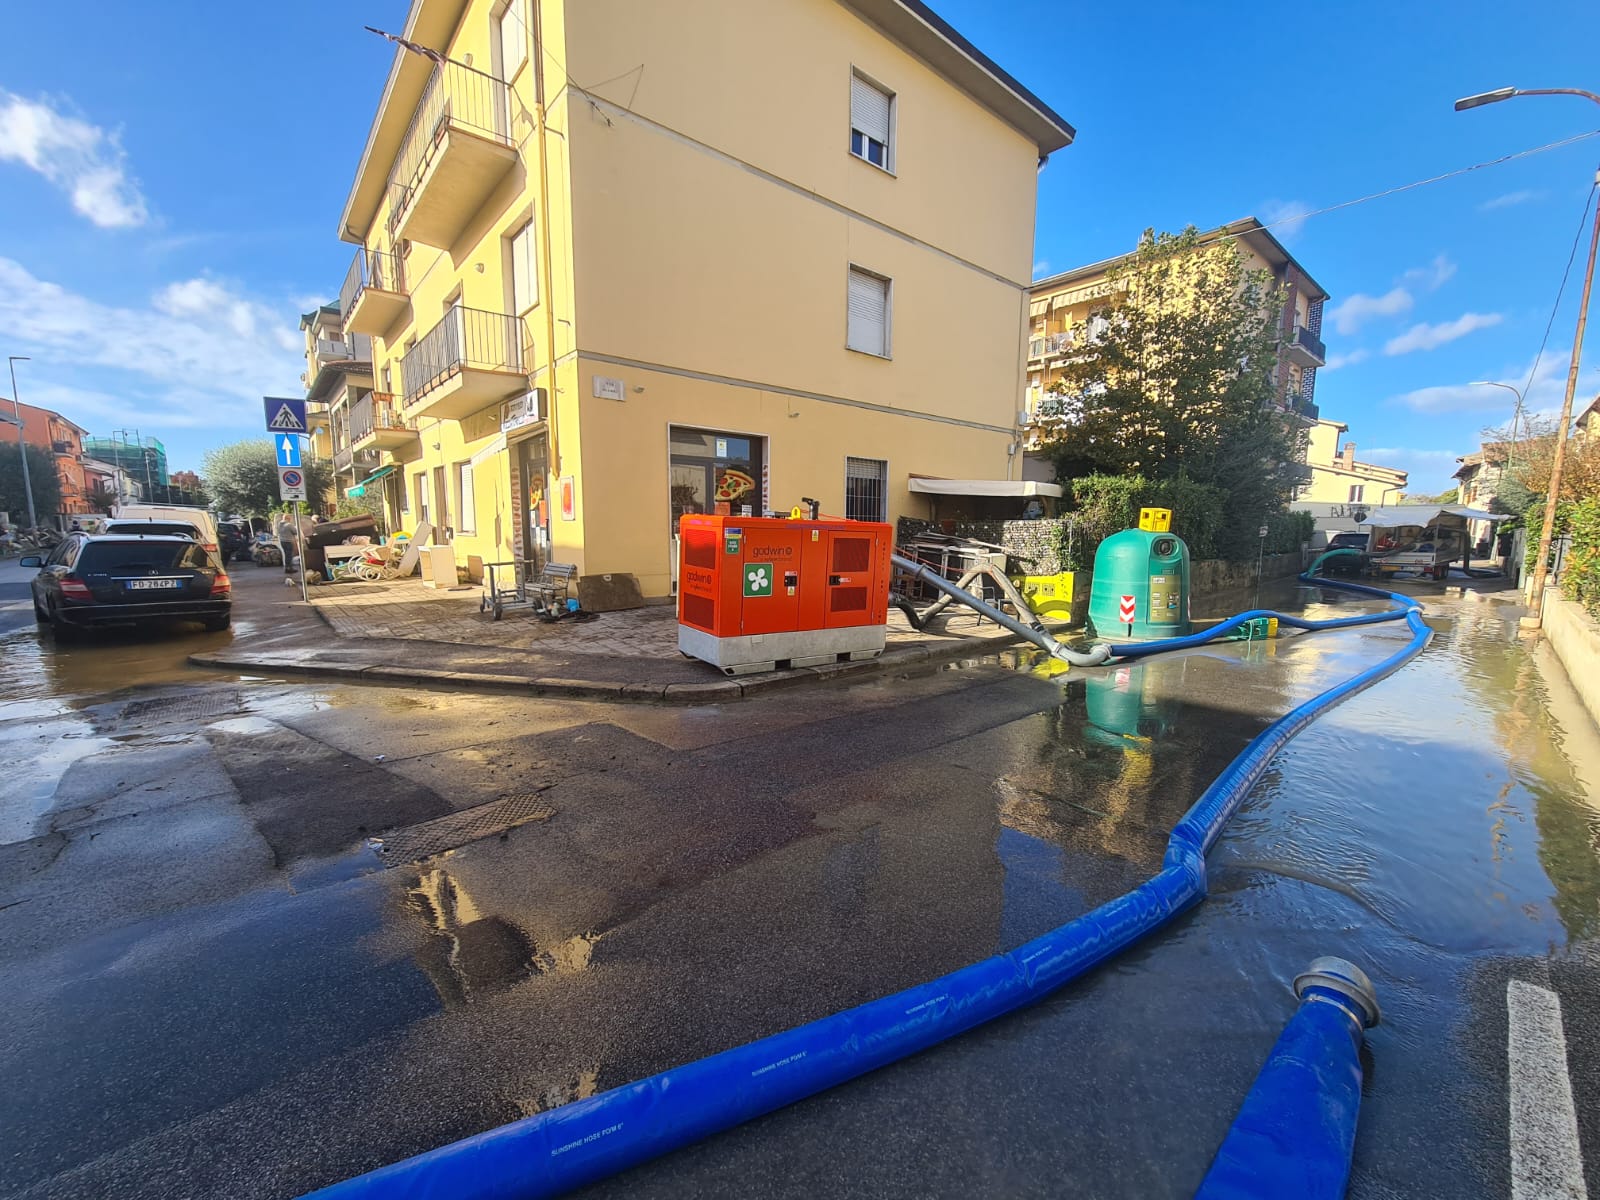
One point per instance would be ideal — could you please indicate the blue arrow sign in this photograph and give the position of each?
(288, 447)
(285, 415)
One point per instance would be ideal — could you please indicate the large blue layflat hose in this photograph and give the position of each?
(554, 1152)
(1296, 1130)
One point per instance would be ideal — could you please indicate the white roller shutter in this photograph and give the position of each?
(524, 289)
(869, 313)
(869, 109)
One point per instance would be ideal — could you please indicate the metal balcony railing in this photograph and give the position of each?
(1310, 343)
(1045, 345)
(467, 339)
(455, 96)
(341, 459)
(375, 411)
(381, 270)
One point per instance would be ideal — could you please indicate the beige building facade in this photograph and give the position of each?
(1336, 477)
(620, 262)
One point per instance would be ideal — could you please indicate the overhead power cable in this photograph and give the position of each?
(1406, 187)
(1583, 222)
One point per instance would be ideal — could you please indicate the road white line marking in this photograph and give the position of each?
(1546, 1163)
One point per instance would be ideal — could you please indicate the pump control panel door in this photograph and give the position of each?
(769, 579)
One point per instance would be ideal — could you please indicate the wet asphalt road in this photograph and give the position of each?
(217, 987)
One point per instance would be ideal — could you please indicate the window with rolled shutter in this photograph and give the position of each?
(868, 329)
(871, 113)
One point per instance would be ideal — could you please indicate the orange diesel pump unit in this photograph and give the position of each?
(754, 592)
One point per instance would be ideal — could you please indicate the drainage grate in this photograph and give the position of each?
(457, 829)
(195, 706)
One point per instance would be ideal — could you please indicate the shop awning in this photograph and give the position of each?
(982, 487)
(360, 489)
(1426, 514)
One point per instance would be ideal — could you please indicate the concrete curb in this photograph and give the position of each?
(709, 691)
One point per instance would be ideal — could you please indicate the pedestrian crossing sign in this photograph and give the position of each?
(285, 415)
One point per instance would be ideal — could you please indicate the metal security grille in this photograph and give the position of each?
(866, 489)
(446, 833)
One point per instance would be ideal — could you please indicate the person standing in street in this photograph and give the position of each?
(288, 534)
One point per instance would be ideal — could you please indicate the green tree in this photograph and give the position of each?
(242, 478)
(42, 478)
(1175, 378)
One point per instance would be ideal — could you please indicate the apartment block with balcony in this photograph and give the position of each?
(48, 430)
(338, 379)
(1062, 316)
(782, 250)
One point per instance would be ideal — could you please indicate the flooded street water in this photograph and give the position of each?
(314, 928)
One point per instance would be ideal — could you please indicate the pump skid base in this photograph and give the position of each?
(756, 652)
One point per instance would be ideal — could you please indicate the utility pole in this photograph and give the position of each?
(1541, 567)
(22, 442)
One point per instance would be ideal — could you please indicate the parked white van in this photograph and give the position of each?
(164, 519)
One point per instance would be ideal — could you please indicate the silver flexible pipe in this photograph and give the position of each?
(1038, 637)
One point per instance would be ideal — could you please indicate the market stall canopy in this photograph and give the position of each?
(1426, 514)
(982, 487)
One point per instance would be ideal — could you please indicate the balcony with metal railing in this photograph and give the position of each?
(374, 294)
(1305, 349)
(1050, 345)
(377, 423)
(468, 361)
(455, 152)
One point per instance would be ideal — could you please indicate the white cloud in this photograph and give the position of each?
(1352, 313)
(83, 160)
(1335, 361)
(198, 354)
(1430, 337)
(1433, 276)
(1287, 218)
(1543, 393)
(1510, 199)
(1355, 311)
(1041, 268)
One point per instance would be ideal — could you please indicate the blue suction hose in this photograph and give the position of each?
(1295, 1133)
(556, 1151)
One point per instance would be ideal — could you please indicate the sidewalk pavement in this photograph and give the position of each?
(401, 632)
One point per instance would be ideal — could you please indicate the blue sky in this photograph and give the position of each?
(171, 176)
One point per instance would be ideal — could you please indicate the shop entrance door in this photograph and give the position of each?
(712, 471)
(533, 471)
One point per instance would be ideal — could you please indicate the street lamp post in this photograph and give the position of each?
(1541, 564)
(1516, 414)
(22, 442)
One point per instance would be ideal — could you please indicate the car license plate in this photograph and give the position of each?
(139, 585)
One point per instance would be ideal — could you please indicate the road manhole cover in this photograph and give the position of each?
(471, 825)
(193, 706)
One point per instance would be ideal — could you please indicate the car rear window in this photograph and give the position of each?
(156, 528)
(110, 557)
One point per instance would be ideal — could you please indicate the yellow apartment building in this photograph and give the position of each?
(338, 373)
(620, 261)
(1336, 476)
(1062, 308)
